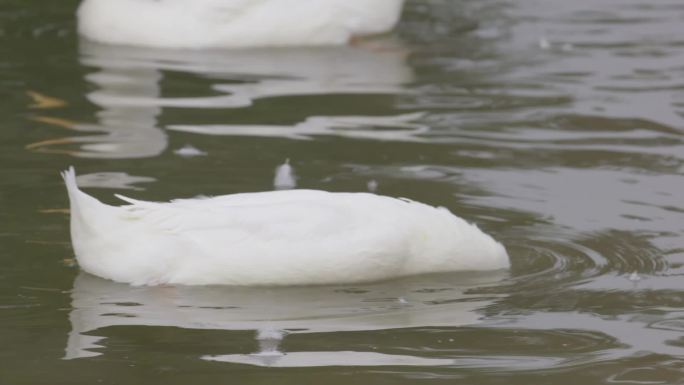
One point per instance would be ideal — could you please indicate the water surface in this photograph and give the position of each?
(555, 126)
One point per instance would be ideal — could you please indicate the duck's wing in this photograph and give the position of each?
(292, 215)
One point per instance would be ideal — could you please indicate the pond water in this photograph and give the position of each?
(556, 126)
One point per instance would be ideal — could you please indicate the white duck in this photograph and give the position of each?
(293, 237)
(234, 23)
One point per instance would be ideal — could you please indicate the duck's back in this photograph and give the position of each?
(287, 237)
(234, 23)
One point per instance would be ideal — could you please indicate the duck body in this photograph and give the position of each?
(234, 23)
(293, 237)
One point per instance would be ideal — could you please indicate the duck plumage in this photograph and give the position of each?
(292, 237)
(234, 23)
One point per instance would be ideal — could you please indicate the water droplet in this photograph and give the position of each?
(189, 151)
(285, 178)
(372, 185)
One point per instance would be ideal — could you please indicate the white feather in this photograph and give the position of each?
(273, 238)
(234, 23)
(285, 178)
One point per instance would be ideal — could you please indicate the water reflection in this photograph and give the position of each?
(129, 83)
(392, 128)
(276, 312)
(241, 77)
(112, 180)
(121, 131)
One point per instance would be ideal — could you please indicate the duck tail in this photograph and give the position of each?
(69, 176)
(81, 203)
(77, 197)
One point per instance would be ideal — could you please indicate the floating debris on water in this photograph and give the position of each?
(69, 262)
(41, 101)
(54, 211)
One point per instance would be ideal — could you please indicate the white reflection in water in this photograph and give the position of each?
(128, 91)
(429, 301)
(121, 131)
(113, 180)
(312, 359)
(262, 73)
(391, 128)
(269, 355)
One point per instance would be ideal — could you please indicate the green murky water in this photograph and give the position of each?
(555, 126)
